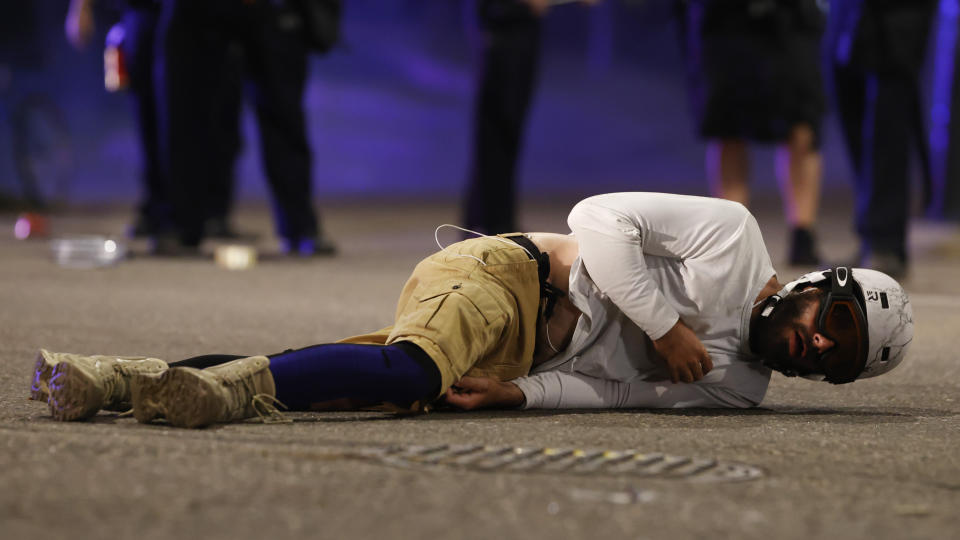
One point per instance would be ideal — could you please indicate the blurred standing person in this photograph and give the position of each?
(510, 55)
(196, 37)
(33, 131)
(877, 49)
(133, 39)
(754, 74)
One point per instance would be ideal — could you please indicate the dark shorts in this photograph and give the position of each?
(754, 75)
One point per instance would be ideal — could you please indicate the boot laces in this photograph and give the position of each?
(115, 384)
(270, 414)
(262, 404)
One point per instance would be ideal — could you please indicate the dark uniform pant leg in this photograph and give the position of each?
(140, 25)
(849, 86)
(876, 128)
(511, 51)
(882, 181)
(226, 125)
(277, 62)
(878, 56)
(193, 40)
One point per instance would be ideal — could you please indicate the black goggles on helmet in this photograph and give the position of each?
(842, 320)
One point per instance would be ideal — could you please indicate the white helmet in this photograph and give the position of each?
(868, 317)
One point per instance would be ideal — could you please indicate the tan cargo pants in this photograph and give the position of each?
(472, 318)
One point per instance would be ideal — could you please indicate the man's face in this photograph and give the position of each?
(789, 338)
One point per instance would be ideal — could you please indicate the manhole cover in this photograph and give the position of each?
(563, 461)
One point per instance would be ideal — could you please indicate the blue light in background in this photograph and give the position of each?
(944, 64)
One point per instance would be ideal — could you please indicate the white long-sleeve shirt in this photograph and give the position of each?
(645, 260)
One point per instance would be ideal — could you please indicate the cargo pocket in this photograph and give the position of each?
(466, 298)
(460, 317)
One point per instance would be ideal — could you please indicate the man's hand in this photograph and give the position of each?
(483, 392)
(687, 359)
(538, 7)
(79, 25)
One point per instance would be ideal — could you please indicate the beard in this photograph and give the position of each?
(772, 335)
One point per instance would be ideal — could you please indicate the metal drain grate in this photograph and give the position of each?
(563, 461)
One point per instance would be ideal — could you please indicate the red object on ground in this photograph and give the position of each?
(31, 225)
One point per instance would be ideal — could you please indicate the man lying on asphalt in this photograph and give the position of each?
(654, 300)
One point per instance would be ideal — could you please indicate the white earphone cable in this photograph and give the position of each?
(436, 237)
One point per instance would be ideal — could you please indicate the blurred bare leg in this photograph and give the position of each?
(728, 169)
(799, 171)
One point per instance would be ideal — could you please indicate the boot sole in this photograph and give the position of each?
(145, 389)
(74, 394)
(182, 395)
(42, 371)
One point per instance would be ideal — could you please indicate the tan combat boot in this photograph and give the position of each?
(42, 369)
(79, 386)
(192, 398)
